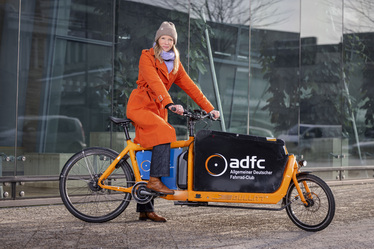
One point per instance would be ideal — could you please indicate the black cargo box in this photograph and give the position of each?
(230, 162)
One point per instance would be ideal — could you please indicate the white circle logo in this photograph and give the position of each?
(216, 165)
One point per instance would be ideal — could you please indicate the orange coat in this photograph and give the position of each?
(146, 105)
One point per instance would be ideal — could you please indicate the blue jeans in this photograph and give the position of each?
(160, 166)
(160, 162)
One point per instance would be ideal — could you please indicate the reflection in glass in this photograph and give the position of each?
(321, 88)
(299, 70)
(274, 92)
(323, 20)
(225, 25)
(358, 59)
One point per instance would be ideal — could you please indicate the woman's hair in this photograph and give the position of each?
(158, 50)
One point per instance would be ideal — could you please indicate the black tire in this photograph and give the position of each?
(319, 212)
(79, 190)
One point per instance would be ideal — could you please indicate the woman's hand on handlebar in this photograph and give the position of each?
(178, 109)
(215, 114)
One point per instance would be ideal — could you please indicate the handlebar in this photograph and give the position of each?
(196, 114)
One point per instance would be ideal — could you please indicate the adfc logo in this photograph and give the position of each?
(216, 164)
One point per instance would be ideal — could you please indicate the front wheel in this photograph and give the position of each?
(79, 188)
(319, 210)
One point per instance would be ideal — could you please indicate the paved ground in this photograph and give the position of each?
(192, 227)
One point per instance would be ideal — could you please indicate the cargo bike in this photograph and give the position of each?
(209, 169)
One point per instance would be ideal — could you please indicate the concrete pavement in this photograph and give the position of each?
(53, 226)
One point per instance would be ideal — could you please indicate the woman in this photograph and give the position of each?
(159, 68)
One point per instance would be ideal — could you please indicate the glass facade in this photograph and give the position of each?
(293, 69)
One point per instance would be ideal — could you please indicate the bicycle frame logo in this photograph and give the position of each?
(145, 165)
(216, 164)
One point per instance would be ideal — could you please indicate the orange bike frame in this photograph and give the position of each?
(289, 174)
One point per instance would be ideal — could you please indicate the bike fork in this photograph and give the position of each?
(294, 178)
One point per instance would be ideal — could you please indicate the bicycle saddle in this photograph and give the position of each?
(120, 120)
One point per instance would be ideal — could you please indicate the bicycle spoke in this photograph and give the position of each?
(319, 210)
(81, 193)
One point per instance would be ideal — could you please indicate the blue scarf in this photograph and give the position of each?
(168, 58)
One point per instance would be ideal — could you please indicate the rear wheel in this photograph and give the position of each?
(80, 191)
(319, 211)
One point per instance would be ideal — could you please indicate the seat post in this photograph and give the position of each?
(126, 130)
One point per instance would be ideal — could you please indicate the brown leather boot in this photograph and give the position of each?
(152, 216)
(155, 184)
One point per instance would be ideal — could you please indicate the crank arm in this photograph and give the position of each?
(150, 192)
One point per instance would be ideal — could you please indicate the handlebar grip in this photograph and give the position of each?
(173, 109)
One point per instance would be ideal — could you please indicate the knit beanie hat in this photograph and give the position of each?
(167, 28)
